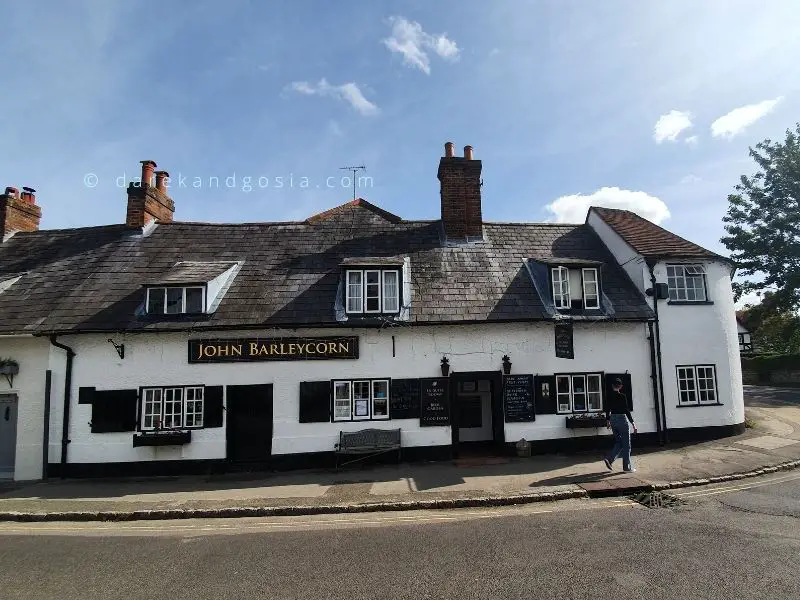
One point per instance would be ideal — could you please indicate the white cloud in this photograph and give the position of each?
(691, 178)
(573, 208)
(692, 140)
(670, 125)
(739, 119)
(349, 92)
(334, 128)
(409, 39)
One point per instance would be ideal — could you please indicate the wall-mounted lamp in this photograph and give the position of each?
(120, 348)
(506, 364)
(445, 366)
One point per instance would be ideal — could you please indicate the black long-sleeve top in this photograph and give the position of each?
(617, 404)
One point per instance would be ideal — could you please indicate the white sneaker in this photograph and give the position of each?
(631, 470)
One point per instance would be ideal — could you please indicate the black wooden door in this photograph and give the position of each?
(249, 418)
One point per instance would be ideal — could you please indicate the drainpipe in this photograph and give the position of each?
(654, 378)
(67, 400)
(658, 353)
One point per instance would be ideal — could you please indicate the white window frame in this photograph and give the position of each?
(596, 303)
(559, 285)
(368, 399)
(199, 399)
(163, 291)
(158, 408)
(360, 306)
(570, 395)
(380, 291)
(677, 273)
(341, 401)
(375, 416)
(692, 377)
(395, 306)
(349, 296)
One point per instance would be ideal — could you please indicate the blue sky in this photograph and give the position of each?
(623, 103)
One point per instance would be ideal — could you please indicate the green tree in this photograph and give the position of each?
(773, 330)
(763, 222)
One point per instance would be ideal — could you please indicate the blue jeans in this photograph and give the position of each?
(622, 441)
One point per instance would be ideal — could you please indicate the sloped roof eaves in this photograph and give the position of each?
(651, 240)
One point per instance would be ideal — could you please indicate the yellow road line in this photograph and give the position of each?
(725, 489)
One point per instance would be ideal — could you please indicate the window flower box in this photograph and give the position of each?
(587, 421)
(162, 438)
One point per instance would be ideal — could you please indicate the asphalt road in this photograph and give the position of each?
(739, 540)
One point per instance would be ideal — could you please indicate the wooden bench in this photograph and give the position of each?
(366, 443)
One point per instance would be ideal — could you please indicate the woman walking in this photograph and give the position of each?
(617, 418)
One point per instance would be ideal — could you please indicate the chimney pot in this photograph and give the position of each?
(29, 195)
(449, 150)
(468, 152)
(161, 177)
(12, 191)
(148, 166)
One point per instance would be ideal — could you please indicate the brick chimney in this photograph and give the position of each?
(148, 202)
(19, 212)
(460, 190)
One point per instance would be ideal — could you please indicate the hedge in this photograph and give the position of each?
(766, 363)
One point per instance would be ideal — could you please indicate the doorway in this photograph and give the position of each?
(8, 435)
(249, 423)
(477, 413)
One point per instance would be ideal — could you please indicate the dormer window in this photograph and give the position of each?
(373, 291)
(176, 300)
(575, 288)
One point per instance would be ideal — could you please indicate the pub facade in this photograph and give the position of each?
(162, 347)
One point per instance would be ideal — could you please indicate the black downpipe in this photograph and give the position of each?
(654, 378)
(48, 381)
(658, 354)
(67, 400)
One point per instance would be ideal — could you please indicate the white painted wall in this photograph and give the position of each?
(698, 335)
(631, 261)
(161, 359)
(29, 386)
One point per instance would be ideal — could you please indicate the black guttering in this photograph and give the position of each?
(654, 378)
(651, 267)
(67, 398)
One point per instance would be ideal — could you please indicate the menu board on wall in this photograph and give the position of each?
(404, 399)
(434, 402)
(518, 398)
(564, 343)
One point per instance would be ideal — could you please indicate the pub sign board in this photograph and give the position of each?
(272, 349)
(434, 402)
(518, 398)
(564, 341)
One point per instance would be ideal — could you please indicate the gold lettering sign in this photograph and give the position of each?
(265, 349)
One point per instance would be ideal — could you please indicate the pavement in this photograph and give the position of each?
(772, 443)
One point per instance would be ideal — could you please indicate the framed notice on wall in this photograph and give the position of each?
(518, 398)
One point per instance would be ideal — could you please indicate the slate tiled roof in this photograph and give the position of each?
(91, 279)
(190, 272)
(650, 240)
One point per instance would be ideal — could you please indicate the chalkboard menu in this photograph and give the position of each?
(434, 402)
(518, 398)
(564, 346)
(404, 399)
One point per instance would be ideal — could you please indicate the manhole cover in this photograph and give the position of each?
(657, 500)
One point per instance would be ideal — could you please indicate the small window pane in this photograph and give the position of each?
(341, 401)
(194, 300)
(561, 297)
(354, 291)
(174, 301)
(391, 296)
(155, 301)
(380, 399)
(579, 393)
(372, 291)
(563, 394)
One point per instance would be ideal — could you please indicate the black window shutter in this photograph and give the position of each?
(544, 388)
(114, 410)
(626, 386)
(212, 406)
(315, 401)
(85, 395)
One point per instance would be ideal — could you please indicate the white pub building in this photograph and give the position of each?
(156, 346)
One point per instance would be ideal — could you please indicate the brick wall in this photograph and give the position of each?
(18, 215)
(460, 190)
(146, 203)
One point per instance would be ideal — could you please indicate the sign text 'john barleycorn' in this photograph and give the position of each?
(256, 349)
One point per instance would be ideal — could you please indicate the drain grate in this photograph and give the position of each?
(657, 500)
